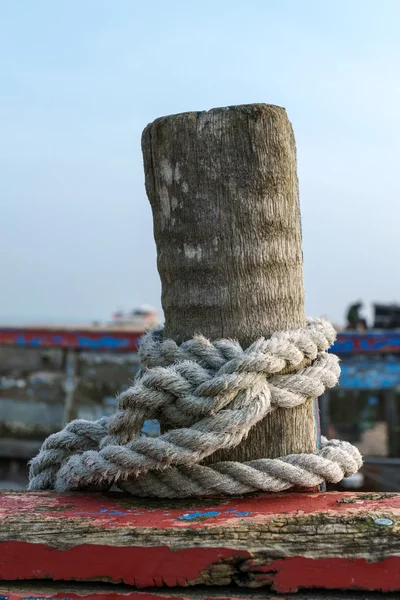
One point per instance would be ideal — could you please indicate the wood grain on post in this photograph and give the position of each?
(223, 189)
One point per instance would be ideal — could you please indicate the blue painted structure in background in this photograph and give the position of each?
(370, 373)
(102, 340)
(370, 360)
(370, 342)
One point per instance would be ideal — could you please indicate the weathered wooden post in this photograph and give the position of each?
(224, 193)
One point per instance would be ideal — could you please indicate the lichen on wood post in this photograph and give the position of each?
(223, 189)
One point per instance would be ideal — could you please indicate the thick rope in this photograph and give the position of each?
(213, 394)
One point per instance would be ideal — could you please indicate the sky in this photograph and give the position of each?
(79, 81)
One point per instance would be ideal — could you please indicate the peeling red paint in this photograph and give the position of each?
(133, 565)
(93, 537)
(294, 573)
(113, 512)
(160, 566)
(65, 594)
(95, 595)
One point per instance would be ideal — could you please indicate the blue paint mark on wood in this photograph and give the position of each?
(106, 511)
(197, 514)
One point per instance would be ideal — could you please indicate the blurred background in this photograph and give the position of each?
(80, 79)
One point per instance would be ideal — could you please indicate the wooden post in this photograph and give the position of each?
(224, 194)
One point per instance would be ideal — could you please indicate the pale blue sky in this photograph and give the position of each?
(79, 81)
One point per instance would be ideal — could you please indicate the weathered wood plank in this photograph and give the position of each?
(68, 591)
(285, 542)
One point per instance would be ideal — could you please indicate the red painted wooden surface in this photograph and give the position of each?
(126, 595)
(286, 541)
(76, 592)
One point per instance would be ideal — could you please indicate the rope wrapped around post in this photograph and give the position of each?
(214, 392)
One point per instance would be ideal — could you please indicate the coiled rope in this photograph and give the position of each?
(214, 393)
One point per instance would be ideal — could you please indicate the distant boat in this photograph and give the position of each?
(141, 318)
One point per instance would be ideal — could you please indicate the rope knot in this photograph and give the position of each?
(212, 393)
